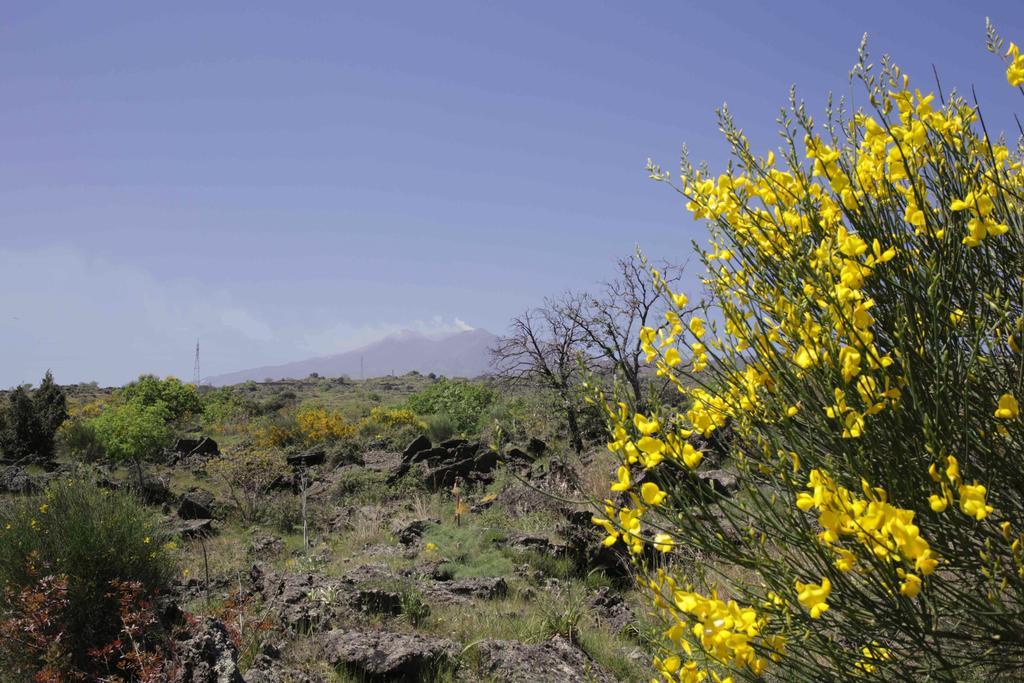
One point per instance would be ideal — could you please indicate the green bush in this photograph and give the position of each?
(133, 432)
(361, 486)
(88, 537)
(180, 400)
(440, 427)
(30, 419)
(463, 402)
(78, 439)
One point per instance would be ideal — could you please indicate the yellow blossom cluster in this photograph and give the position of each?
(972, 496)
(726, 631)
(885, 530)
(320, 424)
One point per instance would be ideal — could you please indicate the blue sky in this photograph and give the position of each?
(285, 181)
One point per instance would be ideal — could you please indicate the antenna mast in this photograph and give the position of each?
(195, 370)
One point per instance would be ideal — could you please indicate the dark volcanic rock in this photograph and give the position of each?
(376, 601)
(14, 479)
(486, 588)
(316, 456)
(208, 656)
(584, 544)
(196, 504)
(611, 609)
(556, 660)
(451, 444)
(303, 602)
(388, 656)
(154, 490)
(264, 546)
(191, 528)
(536, 447)
(408, 534)
(420, 443)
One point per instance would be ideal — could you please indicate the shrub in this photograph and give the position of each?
(440, 428)
(249, 475)
(133, 432)
(319, 424)
(865, 352)
(224, 409)
(78, 439)
(395, 427)
(463, 402)
(180, 400)
(67, 550)
(30, 420)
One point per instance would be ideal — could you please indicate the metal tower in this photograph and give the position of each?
(195, 370)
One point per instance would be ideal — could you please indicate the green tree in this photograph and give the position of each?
(134, 432)
(180, 400)
(30, 420)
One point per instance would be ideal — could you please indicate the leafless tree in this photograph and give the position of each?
(610, 322)
(543, 347)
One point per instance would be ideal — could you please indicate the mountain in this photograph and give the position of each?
(461, 354)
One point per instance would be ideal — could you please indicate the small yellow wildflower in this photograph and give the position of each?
(813, 596)
(1008, 408)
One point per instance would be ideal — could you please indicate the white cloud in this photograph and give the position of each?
(88, 319)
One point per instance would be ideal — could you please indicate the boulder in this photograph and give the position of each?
(208, 656)
(376, 601)
(420, 443)
(536, 447)
(192, 528)
(611, 609)
(410, 533)
(485, 588)
(196, 504)
(14, 479)
(154, 490)
(316, 456)
(303, 602)
(451, 444)
(555, 660)
(389, 656)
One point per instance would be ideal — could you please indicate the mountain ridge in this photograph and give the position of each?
(458, 354)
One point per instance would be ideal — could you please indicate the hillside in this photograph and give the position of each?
(462, 354)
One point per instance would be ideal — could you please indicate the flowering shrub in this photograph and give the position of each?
(861, 340)
(65, 557)
(320, 424)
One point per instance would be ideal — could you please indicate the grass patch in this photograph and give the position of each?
(469, 551)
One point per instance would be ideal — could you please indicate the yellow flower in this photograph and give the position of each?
(146, 540)
(623, 479)
(430, 547)
(911, 585)
(651, 494)
(680, 300)
(692, 456)
(697, 327)
(1015, 71)
(813, 596)
(663, 542)
(44, 508)
(938, 503)
(645, 426)
(972, 501)
(1008, 408)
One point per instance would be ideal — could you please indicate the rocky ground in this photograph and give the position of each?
(446, 562)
